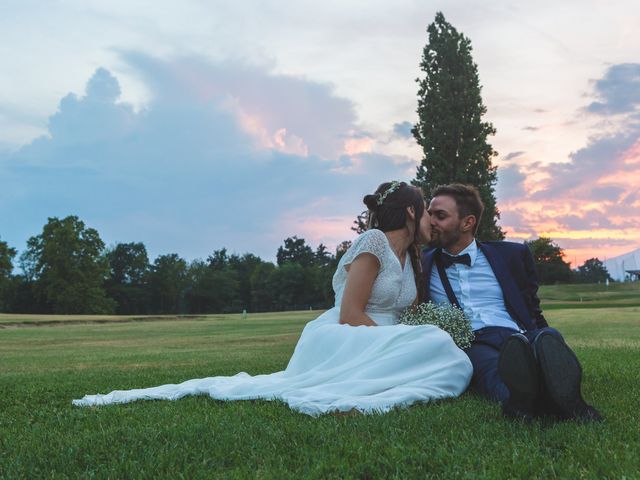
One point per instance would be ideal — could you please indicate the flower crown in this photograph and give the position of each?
(395, 185)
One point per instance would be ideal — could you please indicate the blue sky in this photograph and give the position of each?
(204, 125)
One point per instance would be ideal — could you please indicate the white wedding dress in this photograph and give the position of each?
(339, 367)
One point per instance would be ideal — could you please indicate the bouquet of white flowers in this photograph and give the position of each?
(447, 317)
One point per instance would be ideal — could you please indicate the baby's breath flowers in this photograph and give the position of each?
(447, 317)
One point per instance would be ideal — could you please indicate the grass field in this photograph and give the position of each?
(590, 296)
(46, 362)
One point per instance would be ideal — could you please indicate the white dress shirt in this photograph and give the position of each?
(477, 290)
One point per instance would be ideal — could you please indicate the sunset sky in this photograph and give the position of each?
(197, 125)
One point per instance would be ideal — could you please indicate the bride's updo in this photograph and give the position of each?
(388, 206)
(387, 211)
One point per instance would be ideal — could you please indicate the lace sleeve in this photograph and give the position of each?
(372, 241)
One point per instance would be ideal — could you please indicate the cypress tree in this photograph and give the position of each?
(450, 129)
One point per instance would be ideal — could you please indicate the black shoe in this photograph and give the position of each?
(562, 376)
(519, 371)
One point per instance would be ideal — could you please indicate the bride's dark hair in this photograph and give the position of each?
(388, 211)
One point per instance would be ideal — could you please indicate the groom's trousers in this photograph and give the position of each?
(484, 354)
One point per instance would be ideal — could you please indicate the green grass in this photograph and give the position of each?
(590, 295)
(41, 435)
(28, 319)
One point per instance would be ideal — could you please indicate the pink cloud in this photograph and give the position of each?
(326, 229)
(354, 146)
(590, 205)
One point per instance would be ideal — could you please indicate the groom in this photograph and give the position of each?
(517, 358)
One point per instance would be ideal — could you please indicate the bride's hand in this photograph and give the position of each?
(361, 274)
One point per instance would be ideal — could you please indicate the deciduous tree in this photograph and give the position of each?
(167, 283)
(68, 267)
(210, 289)
(244, 266)
(295, 250)
(6, 267)
(549, 260)
(127, 283)
(592, 271)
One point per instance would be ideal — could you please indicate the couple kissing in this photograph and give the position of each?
(341, 364)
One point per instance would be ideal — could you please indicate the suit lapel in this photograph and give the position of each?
(512, 297)
(427, 265)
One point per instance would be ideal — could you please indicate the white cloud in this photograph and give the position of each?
(186, 174)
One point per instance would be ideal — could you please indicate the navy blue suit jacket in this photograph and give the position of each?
(515, 270)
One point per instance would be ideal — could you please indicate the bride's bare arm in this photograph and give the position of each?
(360, 277)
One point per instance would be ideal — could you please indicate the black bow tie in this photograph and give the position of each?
(448, 260)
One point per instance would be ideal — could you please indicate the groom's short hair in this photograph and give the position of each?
(467, 200)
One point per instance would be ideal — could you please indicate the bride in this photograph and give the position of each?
(354, 356)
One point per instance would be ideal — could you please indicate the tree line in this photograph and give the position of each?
(67, 269)
(552, 268)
